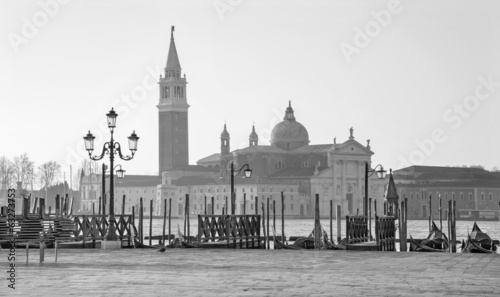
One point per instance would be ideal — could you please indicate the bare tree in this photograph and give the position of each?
(48, 172)
(23, 169)
(6, 172)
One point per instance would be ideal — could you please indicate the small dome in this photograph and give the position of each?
(289, 134)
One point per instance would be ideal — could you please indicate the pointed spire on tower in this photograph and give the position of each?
(173, 59)
(253, 138)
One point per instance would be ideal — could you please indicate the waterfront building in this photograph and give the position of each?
(473, 189)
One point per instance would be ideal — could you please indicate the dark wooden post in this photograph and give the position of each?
(58, 207)
(283, 216)
(331, 220)
(169, 216)
(141, 217)
(440, 215)
(264, 225)
(339, 223)
(454, 229)
(185, 210)
(449, 225)
(164, 222)
(370, 218)
(213, 206)
(123, 205)
(99, 209)
(205, 205)
(225, 208)
(93, 209)
(187, 218)
(150, 221)
(430, 212)
(257, 205)
(267, 231)
(274, 221)
(317, 227)
(244, 203)
(385, 208)
(133, 215)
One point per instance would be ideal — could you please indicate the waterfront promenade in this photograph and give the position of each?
(194, 272)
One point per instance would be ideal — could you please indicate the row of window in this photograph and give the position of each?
(453, 196)
(209, 190)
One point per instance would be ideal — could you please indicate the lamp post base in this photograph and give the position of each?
(111, 245)
(110, 239)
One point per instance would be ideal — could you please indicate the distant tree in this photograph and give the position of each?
(477, 166)
(495, 169)
(48, 172)
(6, 172)
(23, 169)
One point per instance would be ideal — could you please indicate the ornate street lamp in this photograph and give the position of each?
(247, 174)
(111, 147)
(381, 173)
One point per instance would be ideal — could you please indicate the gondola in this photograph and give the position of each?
(479, 242)
(435, 242)
(307, 243)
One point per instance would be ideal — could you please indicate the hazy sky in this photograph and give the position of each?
(420, 79)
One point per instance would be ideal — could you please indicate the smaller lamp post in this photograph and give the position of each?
(381, 173)
(248, 174)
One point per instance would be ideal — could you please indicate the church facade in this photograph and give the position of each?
(289, 164)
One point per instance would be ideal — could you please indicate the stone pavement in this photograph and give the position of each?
(203, 272)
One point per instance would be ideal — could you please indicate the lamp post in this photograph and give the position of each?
(120, 173)
(248, 174)
(380, 174)
(111, 147)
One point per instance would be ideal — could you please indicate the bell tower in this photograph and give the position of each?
(173, 114)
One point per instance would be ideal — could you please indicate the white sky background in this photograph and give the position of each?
(243, 67)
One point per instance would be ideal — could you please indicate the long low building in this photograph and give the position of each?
(473, 190)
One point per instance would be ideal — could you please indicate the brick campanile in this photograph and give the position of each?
(173, 114)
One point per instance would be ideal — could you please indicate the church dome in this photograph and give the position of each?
(289, 134)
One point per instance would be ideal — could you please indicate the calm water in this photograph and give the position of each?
(303, 227)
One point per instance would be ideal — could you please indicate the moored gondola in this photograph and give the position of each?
(479, 242)
(435, 242)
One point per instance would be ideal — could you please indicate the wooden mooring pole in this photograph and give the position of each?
(317, 227)
(370, 218)
(331, 220)
(123, 205)
(244, 203)
(274, 223)
(99, 209)
(339, 224)
(440, 215)
(256, 204)
(264, 225)
(169, 216)
(165, 220)
(205, 205)
(93, 209)
(141, 217)
(453, 228)
(150, 221)
(133, 215)
(430, 213)
(213, 206)
(188, 222)
(448, 218)
(267, 231)
(283, 217)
